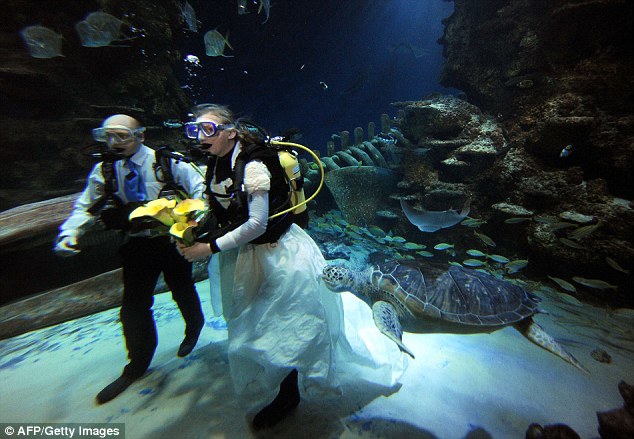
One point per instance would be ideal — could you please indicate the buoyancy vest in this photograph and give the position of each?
(223, 220)
(112, 211)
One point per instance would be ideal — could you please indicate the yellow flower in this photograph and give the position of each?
(189, 205)
(184, 209)
(157, 209)
(184, 231)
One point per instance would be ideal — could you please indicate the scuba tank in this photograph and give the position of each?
(290, 165)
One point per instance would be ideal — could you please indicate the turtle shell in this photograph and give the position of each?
(451, 293)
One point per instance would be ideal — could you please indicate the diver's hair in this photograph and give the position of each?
(227, 116)
(222, 112)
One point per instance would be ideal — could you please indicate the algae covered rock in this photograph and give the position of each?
(362, 191)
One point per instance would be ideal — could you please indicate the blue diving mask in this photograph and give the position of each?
(209, 129)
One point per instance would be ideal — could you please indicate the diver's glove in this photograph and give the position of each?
(66, 246)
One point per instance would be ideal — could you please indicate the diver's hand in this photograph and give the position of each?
(67, 246)
(199, 250)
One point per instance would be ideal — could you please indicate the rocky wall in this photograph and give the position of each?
(556, 73)
(558, 76)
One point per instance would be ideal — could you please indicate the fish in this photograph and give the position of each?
(359, 81)
(242, 7)
(561, 225)
(517, 220)
(420, 151)
(472, 222)
(473, 262)
(566, 152)
(612, 263)
(571, 244)
(443, 246)
(432, 220)
(376, 231)
(425, 254)
(323, 85)
(544, 219)
(594, 283)
(484, 238)
(407, 48)
(99, 29)
(189, 16)
(563, 284)
(171, 123)
(414, 246)
(499, 258)
(584, 231)
(266, 6)
(215, 43)
(516, 265)
(476, 253)
(42, 42)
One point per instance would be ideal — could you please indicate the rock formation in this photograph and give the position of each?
(555, 74)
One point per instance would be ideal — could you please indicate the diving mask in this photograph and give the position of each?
(113, 134)
(209, 129)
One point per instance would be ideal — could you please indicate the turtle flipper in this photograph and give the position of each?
(537, 335)
(386, 319)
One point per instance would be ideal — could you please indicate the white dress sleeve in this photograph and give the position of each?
(257, 182)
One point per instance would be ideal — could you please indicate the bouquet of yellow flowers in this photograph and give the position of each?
(170, 216)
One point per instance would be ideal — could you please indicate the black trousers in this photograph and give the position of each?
(143, 261)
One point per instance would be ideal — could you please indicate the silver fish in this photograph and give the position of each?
(189, 16)
(612, 263)
(484, 238)
(517, 220)
(413, 246)
(594, 283)
(561, 225)
(476, 253)
(215, 43)
(563, 284)
(266, 5)
(516, 265)
(584, 231)
(571, 244)
(473, 262)
(499, 258)
(472, 222)
(42, 42)
(544, 219)
(443, 246)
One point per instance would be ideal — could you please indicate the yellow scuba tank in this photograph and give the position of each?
(290, 164)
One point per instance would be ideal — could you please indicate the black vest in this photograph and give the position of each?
(237, 213)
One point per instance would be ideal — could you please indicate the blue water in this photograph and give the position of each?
(363, 51)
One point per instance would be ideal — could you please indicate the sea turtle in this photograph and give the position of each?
(425, 297)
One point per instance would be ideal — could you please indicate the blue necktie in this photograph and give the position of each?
(133, 187)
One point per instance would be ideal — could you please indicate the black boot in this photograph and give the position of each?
(282, 406)
(113, 389)
(189, 342)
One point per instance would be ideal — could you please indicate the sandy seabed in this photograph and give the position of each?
(459, 386)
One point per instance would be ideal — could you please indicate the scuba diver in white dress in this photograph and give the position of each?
(287, 333)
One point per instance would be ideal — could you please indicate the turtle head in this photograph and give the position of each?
(338, 278)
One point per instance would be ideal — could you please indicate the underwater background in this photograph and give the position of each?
(497, 135)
